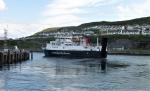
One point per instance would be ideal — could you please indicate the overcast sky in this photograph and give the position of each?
(25, 17)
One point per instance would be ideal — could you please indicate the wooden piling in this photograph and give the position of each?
(103, 64)
(12, 56)
(31, 55)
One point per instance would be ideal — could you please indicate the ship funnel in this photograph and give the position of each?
(104, 46)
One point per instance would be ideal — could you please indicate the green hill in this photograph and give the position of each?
(137, 21)
(61, 29)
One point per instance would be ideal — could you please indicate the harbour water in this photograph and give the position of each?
(123, 73)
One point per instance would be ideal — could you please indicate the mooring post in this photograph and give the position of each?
(104, 47)
(15, 56)
(103, 64)
(8, 57)
(31, 52)
(20, 55)
(1, 58)
(5, 58)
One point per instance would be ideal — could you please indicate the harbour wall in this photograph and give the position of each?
(129, 52)
(13, 56)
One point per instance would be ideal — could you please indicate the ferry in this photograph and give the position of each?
(72, 45)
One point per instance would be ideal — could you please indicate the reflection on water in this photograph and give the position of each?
(62, 74)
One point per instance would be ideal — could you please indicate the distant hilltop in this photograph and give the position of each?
(137, 21)
(135, 25)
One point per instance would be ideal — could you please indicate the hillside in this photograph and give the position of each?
(60, 28)
(134, 42)
(137, 21)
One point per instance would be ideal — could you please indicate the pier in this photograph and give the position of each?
(129, 52)
(13, 56)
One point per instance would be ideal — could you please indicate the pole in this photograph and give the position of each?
(97, 41)
(104, 48)
(31, 55)
(103, 64)
(5, 39)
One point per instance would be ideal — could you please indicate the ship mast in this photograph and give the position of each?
(5, 39)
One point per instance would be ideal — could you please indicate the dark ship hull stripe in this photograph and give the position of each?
(78, 54)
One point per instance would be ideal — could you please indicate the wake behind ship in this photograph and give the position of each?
(71, 45)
